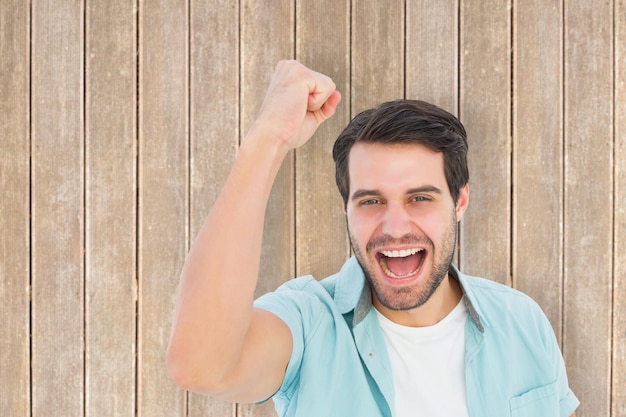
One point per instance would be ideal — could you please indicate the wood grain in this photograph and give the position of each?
(588, 227)
(14, 206)
(432, 50)
(163, 193)
(214, 127)
(321, 239)
(485, 102)
(111, 213)
(618, 360)
(538, 156)
(57, 209)
(377, 51)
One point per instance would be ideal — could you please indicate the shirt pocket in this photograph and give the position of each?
(542, 401)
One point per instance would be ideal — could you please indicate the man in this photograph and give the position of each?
(399, 331)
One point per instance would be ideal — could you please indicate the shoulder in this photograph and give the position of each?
(305, 286)
(297, 290)
(496, 302)
(302, 299)
(487, 291)
(509, 314)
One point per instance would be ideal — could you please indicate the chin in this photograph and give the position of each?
(405, 298)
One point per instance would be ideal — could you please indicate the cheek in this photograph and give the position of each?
(433, 221)
(361, 226)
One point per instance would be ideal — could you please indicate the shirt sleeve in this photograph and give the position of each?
(295, 308)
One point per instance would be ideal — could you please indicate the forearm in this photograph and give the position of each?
(214, 298)
(218, 344)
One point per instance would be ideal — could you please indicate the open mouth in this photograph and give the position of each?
(401, 263)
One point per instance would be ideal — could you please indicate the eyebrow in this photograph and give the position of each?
(375, 193)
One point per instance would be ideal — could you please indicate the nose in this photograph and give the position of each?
(396, 222)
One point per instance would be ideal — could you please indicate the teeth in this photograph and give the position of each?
(389, 273)
(400, 253)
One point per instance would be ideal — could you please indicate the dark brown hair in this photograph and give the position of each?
(402, 122)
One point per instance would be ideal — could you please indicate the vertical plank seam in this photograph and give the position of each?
(240, 75)
(458, 108)
(404, 48)
(563, 170)
(137, 199)
(189, 163)
(30, 210)
(614, 196)
(351, 56)
(562, 174)
(512, 144)
(509, 144)
(457, 17)
(236, 406)
(348, 101)
(294, 202)
(84, 202)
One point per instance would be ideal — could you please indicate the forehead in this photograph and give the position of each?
(376, 166)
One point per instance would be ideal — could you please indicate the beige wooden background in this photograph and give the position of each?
(119, 120)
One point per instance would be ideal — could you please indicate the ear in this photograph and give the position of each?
(462, 202)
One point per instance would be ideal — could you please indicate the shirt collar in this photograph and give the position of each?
(352, 292)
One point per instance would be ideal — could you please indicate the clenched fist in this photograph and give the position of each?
(297, 101)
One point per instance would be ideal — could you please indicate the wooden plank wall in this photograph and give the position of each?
(57, 129)
(15, 269)
(120, 119)
(110, 207)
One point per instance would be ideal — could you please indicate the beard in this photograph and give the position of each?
(407, 298)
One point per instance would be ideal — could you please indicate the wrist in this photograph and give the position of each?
(265, 140)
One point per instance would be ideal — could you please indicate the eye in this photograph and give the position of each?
(420, 198)
(369, 202)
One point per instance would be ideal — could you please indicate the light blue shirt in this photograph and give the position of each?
(339, 364)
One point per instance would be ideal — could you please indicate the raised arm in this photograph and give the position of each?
(220, 345)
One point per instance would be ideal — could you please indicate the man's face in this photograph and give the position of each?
(401, 221)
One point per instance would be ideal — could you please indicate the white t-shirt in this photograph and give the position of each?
(428, 365)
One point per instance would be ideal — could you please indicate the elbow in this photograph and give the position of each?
(192, 375)
(178, 370)
(184, 372)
